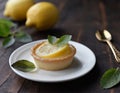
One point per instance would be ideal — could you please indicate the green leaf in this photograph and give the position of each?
(63, 40)
(23, 37)
(8, 41)
(5, 26)
(6, 22)
(24, 65)
(110, 78)
(4, 30)
(52, 39)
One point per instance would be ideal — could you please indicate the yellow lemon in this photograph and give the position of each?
(47, 50)
(17, 9)
(42, 15)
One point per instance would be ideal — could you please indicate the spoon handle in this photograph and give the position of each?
(116, 53)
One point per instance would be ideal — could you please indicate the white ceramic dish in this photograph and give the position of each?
(84, 61)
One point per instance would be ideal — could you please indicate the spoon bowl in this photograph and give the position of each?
(105, 36)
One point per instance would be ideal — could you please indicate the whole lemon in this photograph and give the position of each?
(17, 9)
(42, 15)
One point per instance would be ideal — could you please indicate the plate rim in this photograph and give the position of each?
(34, 42)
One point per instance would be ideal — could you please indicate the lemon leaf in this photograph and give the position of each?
(52, 39)
(24, 65)
(63, 40)
(23, 37)
(5, 26)
(8, 41)
(110, 78)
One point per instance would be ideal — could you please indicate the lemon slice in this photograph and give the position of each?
(46, 50)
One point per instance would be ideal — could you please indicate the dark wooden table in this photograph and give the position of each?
(81, 19)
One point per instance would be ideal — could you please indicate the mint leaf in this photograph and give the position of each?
(24, 65)
(5, 26)
(110, 78)
(6, 22)
(63, 40)
(8, 41)
(4, 30)
(23, 37)
(52, 39)
(59, 41)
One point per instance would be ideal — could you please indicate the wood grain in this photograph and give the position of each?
(81, 19)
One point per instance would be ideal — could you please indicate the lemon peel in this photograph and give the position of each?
(42, 16)
(17, 9)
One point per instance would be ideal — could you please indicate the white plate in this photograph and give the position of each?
(83, 62)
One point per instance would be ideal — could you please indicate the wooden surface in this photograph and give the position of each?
(81, 19)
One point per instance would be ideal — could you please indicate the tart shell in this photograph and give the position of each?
(53, 63)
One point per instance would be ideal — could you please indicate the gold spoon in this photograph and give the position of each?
(105, 36)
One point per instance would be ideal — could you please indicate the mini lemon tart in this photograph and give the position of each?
(52, 57)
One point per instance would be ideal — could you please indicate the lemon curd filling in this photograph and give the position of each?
(46, 50)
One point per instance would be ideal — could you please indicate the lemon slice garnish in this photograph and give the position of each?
(47, 50)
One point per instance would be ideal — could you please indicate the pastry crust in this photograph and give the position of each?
(53, 63)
